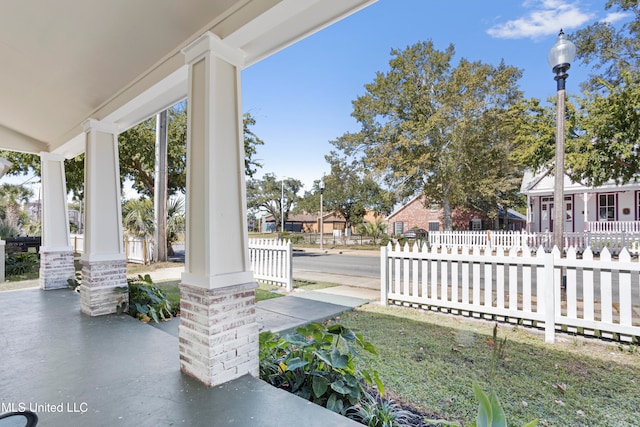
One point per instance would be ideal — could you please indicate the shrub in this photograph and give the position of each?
(317, 364)
(375, 412)
(146, 301)
(20, 263)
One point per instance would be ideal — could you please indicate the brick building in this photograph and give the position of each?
(417, 213)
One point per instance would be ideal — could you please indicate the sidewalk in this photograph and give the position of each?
(299, 307)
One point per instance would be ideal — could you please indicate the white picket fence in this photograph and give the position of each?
(271, 261)
(137, 249)
(596, 240)
(599, 297)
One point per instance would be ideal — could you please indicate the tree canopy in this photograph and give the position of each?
(603, 123)
(436, 128)
(267, 194)
(348, 191)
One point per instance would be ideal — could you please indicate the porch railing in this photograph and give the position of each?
(614, 226)
(597, 241)
(528, 288)
(271, 261)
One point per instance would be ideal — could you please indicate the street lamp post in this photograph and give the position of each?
(282, 207)
(560, 57)
(321, 186)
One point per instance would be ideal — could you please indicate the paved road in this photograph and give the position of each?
(351, 265)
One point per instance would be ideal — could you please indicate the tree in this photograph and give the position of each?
(611, 52)
(603, 124)
(266, 194)
(348, 191)
(373, 229)
(11, 196)
(436, 129)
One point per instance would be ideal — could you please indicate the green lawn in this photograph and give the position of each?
(430, 361)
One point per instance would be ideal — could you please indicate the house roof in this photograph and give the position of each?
(542, 183)
(120, 61)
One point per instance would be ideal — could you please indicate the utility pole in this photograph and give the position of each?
(160, 188)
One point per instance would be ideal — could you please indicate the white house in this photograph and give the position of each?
(609, 207)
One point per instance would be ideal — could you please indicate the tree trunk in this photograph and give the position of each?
(446, 208)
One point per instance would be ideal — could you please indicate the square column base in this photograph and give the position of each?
(56, 267)
(218, 332)
(98, 293)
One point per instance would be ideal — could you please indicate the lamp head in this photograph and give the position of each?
(562, 53)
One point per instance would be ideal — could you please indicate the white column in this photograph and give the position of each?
(585, 203)
(56, 253)
(103, 260)
(218, 330)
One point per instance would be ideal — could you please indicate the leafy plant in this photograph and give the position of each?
(20, 263)
(376, 412)
(317, 364)
(146, 301)
(490, 413)
(75, 282)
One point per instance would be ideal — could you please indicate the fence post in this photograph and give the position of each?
(549, 299)
(384, 276)
(289, 264)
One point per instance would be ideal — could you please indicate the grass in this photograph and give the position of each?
(430, 360)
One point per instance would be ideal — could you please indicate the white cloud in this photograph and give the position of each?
(545, 17)
(616, 16)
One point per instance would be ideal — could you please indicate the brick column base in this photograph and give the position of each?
(56, 267)
(98, 293)
(218, 332)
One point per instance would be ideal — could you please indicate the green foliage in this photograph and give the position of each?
(373, 229)
(317, 364)
(266, 193)
(490, 412)
(75, 282)
(7, 229)
(147, 301)
(375, 412)
(433, 128)
(21, 263)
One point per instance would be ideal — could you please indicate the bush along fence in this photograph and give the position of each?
(595, 240)
(271, 261)
(589, 296)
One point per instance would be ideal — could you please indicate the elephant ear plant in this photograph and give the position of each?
(317, 364)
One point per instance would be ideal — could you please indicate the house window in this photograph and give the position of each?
(398, 227)
(434, 226)
(606, 207)
(476, 224)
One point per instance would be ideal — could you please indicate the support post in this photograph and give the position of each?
(218, 330)
(103, 261)
(56, 253)
(549, 298)
(384, 276)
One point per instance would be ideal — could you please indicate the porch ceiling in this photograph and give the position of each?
(66, 61)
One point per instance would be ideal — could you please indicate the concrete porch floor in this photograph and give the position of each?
(76, 370)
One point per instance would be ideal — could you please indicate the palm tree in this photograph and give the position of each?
(137, 216)
(11, 196)
(372, 229)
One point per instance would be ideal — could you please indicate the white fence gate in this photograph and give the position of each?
(271, 261)
(600, 297)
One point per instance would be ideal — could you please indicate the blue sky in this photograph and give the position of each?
(301, 97)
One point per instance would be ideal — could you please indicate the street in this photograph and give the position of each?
(350, 265)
